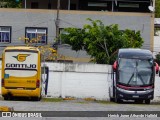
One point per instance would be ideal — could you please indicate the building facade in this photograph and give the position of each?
(39, 18)
(92, 5)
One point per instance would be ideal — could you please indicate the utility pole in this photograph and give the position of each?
(25, 4)
(69, 2)
(57, 21)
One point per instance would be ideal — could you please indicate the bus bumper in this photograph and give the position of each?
(134, 95)
(21, 93)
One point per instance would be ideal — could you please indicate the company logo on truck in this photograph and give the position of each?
(22, 66)
(21, 57)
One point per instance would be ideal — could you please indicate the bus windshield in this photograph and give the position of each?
(135, 72)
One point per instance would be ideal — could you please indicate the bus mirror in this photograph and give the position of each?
(114, 66)
(156, 67)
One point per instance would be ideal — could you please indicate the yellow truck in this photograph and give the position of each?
(21, 72)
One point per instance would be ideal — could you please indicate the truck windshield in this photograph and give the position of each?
(135, 72)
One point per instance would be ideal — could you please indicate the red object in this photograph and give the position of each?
(156, 67)
(38, 84)
(114, 66)
(2, 82)
(134, 87)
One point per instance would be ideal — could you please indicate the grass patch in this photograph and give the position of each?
(89, 99)
(52, 99)
(69, 98)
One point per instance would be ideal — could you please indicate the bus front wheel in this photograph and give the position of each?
(117, 100)
(139, 101)
(147, 101)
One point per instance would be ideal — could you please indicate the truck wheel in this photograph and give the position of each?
(147, 101)
(36, 98)
(5, 98)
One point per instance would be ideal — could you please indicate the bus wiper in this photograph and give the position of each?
(130, 79)
(141, 79)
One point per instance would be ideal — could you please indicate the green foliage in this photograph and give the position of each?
(100, 41)
(74, 38)
(157, 9)
(52, 99)
(11, 3)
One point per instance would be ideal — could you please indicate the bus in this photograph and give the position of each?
(133, 76)
(21, 72)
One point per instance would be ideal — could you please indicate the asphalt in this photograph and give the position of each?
(77, 107)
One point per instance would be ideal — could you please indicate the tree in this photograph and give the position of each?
(48, 53)
(158, 58)
(11, 3)
(101, 42)
(157, 8)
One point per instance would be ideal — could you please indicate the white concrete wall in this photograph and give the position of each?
(157, 88)
(156, 49)
(78, 80)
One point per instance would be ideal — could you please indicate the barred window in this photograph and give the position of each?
(5, 34)
(36, 35)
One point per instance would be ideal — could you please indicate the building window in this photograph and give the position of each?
(96, 4)
(5, 34)
(36, 35)
(126, 6)
(49, 5)
(34, 5)
(73, 6)
(103, 5)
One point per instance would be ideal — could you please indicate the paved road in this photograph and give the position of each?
(78, 106)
